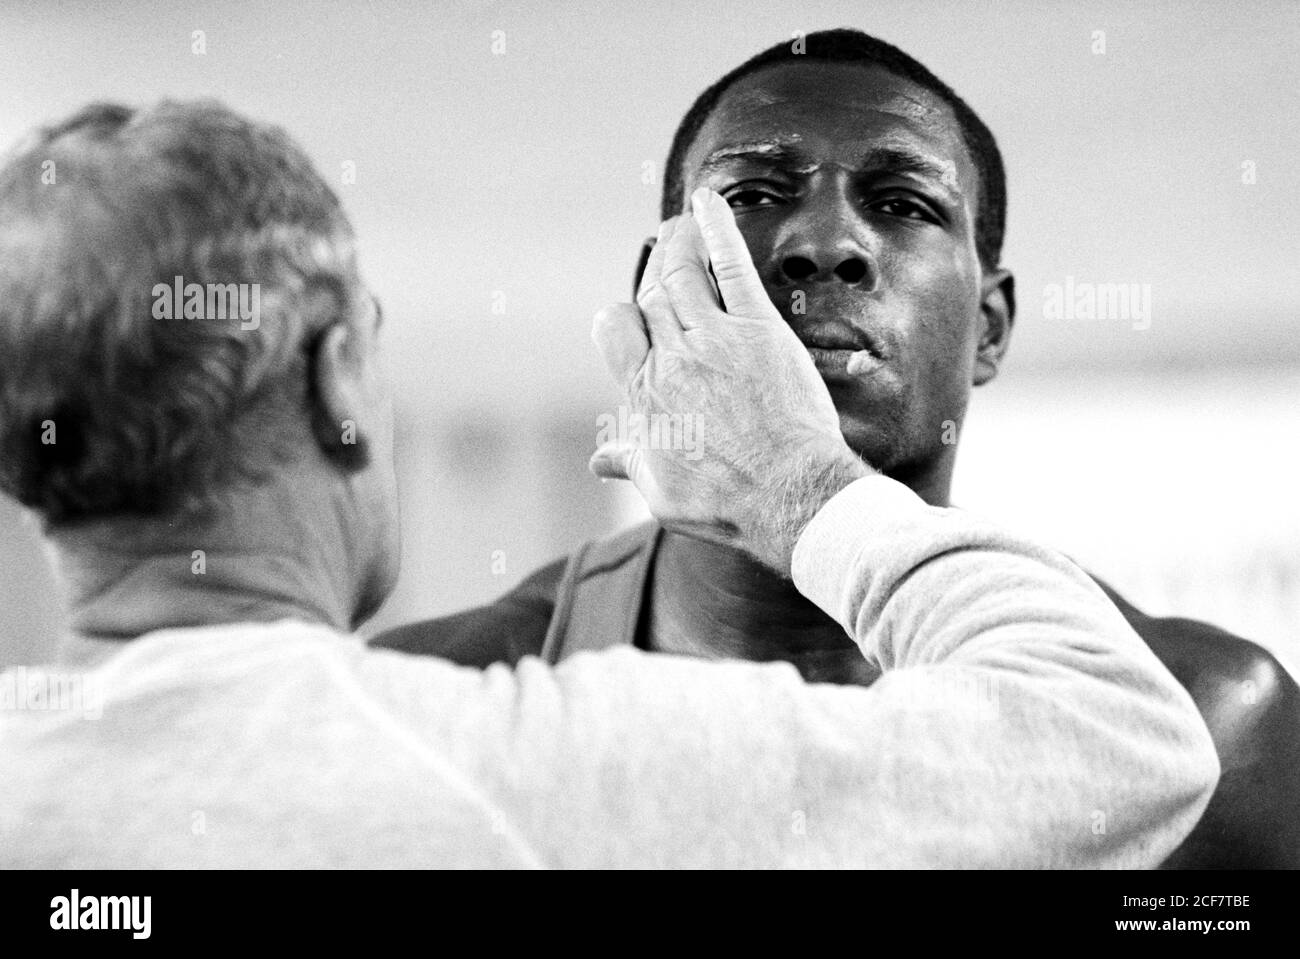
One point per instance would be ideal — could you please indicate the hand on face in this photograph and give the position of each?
(768, 450)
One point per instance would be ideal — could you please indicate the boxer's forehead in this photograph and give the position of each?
(804, 115)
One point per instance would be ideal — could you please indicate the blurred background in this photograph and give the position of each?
(507, 164)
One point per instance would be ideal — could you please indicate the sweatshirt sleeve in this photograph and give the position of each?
(1019, 722)
(1013, 692)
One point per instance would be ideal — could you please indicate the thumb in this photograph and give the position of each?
(625, 461)
(611, 461)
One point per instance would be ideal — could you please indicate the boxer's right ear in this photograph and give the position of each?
(646, 247)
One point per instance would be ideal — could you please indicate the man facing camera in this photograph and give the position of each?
(872, 200)
(218, 496)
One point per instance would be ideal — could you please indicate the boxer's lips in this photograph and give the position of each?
(825, 335)
(843, 364)
(839, 352)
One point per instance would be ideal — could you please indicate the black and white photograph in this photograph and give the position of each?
(507, 434)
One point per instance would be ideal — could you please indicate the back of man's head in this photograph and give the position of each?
(106, 408)
(854, 46)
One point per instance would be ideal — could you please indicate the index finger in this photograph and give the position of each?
(738, 281)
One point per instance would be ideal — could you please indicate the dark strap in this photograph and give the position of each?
(599, 598)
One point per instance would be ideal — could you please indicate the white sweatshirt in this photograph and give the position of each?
(1019, 722)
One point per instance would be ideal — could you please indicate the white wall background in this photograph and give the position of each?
(1163, 458)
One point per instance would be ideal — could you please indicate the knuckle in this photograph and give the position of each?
(677, 277)
(652, 295)
(728, 268)
(616, 314)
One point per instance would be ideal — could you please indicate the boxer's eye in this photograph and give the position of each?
(905, 207)
(747, 195)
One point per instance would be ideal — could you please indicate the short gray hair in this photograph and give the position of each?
(151, 416)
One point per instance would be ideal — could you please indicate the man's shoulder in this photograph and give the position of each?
(189, 647)
(516, 624)
(504, 630)
(1199, 653)
(1251, 705)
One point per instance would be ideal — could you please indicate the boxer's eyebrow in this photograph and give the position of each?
(896, 159)
(890, 158)
(781, 153)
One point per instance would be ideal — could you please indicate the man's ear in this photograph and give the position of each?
(997, 315)
(339, 410)
(641, 264)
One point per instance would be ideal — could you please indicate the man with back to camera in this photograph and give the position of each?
(217, 492)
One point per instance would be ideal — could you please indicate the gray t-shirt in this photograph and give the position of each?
(1019, 721)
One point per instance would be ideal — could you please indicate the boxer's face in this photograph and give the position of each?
(857, 197)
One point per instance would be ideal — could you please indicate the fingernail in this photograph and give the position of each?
(700, 200)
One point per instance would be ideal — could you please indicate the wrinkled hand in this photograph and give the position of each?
(767, 450)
